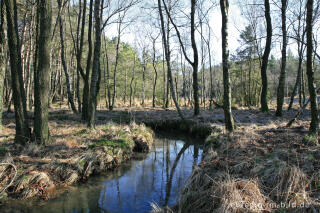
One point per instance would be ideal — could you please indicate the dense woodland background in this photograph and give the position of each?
(160, 54)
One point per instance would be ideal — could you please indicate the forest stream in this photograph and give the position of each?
(156, 177)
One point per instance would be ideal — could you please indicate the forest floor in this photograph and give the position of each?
(261, 167)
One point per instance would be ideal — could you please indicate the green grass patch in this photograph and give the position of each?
(119, 143)
(310, 139)
(3, 150)
(108, 126)
(81, 132)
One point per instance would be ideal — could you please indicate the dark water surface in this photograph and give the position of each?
(155, 177)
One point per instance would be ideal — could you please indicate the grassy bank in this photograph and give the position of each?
(256, 169)
(75, 154)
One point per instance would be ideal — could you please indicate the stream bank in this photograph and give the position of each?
(136, 185)
(75, 154)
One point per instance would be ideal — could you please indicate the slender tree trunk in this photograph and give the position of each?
(108, 79)
(164, 78)
(116, 68)
(64, 65)
(265, 59)
(143, 78)
(229, 122)
(85, 95)
(2, 59)
(314, 125)
(155, 74)
(282, 78)
(211, 77)
(125, 87)
(79, 53)
(132, 79)
(167, 54)
(22, 127)
(42, 71)
(195, 61)
(297, 85)
(94, 87)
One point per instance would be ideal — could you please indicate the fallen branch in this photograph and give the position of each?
(15, 175)
(289, 124)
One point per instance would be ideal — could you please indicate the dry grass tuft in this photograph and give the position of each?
(238, 196)
(32, 184)
(32, 150)
(284, 183)
(221, 194)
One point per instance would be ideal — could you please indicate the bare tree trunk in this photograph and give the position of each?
(116, 67)
(86, 87)
(265, 59)
(195, 61)
(2, 59)
(64, 65)
(22, 127)
(125, 87)
(132, 79)
(79, 52)
(314, 125)
(42, 71)
(282, 78)
(164, 79)
(155, 74)
(143, 77)
(229, 122)
(167, 54)
(301, 48)
(297, 85)
(94, 87)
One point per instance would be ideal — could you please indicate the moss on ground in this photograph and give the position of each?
(120, 143)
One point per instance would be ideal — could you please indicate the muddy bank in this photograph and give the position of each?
(75, 154)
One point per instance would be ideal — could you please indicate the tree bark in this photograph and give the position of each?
(195, 60)
(229, 122)
(265, 59)
(94, 86)
(2, 59)
(86, 87)
(155, 74)
(282, 78)
(42, 71)
(143, 77)
(314, 125)
(79, 53)
(132, 79)
(19, 100)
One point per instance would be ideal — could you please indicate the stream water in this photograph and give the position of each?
(155, 177)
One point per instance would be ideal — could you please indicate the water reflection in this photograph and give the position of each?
(156, 177)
